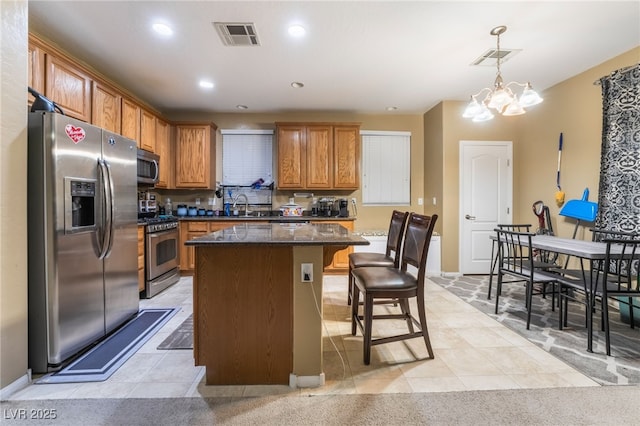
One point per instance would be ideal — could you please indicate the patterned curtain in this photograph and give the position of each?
(619, 188)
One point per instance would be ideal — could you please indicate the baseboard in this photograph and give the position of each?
(306, 381)
(451, 274)
(19, 384)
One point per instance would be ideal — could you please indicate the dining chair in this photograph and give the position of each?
(516, 261)
(616, 277)
(494, 254)
(391, 257)
(395, 283)
(542, 259)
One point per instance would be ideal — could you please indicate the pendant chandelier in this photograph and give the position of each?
(500, 98)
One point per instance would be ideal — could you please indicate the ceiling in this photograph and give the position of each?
(356, 56)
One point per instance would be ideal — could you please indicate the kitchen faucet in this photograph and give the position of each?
(246, 203)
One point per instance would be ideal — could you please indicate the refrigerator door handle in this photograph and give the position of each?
(107, 190)
(110, 208)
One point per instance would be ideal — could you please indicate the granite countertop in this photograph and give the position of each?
(327, 234)
(271, 218)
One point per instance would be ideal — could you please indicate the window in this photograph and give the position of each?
(247, 155)
(386, 168)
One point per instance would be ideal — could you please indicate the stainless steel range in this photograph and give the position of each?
(161, 254)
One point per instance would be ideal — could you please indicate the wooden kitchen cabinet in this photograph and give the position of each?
(318, 155)
(163, 149)
(105, 107)
(195, 148)
(69, 87)
(147, 131)
(130, 121)
(190, 229)
(291, 141)
(141, 276)
(346, 157)
(35, 79)
(340, 263)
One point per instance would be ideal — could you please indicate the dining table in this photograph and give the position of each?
(583, 250)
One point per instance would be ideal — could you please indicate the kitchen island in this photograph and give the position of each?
(257, 316)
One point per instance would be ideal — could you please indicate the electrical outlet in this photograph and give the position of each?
(212, 201)
(420, 201)
(306, 272)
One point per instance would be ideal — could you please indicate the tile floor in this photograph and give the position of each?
(472, 352)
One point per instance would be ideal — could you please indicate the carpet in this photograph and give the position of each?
(569, 344)
(611, 405)
(101, 361)
(181, 337)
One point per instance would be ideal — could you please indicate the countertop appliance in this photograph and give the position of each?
(343, 206)
(161, 253)
(82, 235)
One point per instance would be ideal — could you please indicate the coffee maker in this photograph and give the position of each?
(326, 206)
(343, 210)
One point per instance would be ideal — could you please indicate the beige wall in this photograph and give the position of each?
(13, 189)
(573, 107)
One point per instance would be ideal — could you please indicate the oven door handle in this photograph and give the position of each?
(159, 234)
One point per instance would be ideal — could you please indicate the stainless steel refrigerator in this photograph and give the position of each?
(82, 232)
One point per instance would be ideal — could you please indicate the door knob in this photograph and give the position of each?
(468, 217)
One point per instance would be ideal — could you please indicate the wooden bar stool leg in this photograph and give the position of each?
(425, 331)
(368, 323)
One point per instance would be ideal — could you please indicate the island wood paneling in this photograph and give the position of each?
(243, 316)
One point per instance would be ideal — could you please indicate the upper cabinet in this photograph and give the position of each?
(147, 131)
(105, 107)
(131, 120)
(84, 94)
(195, 156)
(163, 149)
(36, 68)
(318, 155)
(69, 87)
(346, 157)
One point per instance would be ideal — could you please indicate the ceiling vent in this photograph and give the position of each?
(237, 33)
(490, 57)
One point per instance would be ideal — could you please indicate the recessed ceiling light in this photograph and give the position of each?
(206, 84)
(297, 84)
(297, 31)
(242, 107)
(162, 29)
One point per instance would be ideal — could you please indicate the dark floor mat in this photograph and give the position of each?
(181, 338)
(99, 363)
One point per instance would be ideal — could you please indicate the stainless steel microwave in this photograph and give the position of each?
(148, 170)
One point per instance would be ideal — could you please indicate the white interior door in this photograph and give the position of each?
(486, 185)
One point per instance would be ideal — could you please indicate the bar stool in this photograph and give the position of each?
(394, 240)
(395, 283)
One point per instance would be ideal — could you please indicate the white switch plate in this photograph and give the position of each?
(212, 201)
(306, 273)
(197, 201)
(420, 201)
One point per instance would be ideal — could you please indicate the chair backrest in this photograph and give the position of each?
(522, 227)
(515, 254)
(599, 234)
(622, 265)
(394, 237)
(415, 248)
